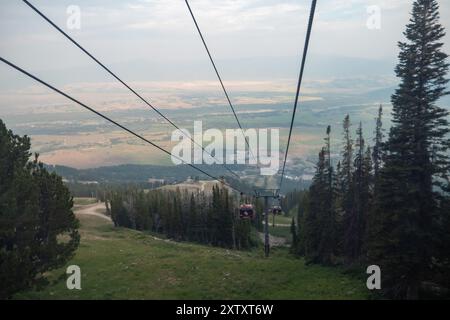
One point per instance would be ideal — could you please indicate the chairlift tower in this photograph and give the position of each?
(267, 194)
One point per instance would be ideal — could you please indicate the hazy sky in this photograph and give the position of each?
(155, 40)
(153, 45)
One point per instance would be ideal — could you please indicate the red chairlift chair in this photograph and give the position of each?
(246, 211)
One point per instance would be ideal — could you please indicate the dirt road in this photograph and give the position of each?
(278, 224)
(93, 210)
(274, 241)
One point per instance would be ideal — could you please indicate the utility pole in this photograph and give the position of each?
(266, 194)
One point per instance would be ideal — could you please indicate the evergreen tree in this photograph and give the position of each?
(56, 218)
(35, 211)
(303, 209)
(366, 199)
(409, 197)
(18, 214)
(347, 191)
(347, 161)
(143, 219)
(312, 228)
(355, 222)
(193, 230)
(295, 244)
(443, 244)
(339, 197)
(326, 217)
(377, 154)
(119, 213)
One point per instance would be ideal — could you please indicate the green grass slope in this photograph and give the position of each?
(125, 264)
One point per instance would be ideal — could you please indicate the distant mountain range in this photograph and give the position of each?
(165, 175)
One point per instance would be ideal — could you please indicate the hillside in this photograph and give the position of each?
(124, 264)
(195, 186)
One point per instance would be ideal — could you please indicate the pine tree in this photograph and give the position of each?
(347, 191)
(347, 159)
(18, 214)
(56, 218)
(295, 244)
(178, 216)
(35, 211)
(303, 209)
(408, 199)
(377, 154)
(312, 228)
(327, 214)
(143, 221)
(443, 243)
(193, 220)
(339, 197)
(355, 222)
(366, 198)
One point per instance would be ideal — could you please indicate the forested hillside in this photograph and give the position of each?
(186, 216)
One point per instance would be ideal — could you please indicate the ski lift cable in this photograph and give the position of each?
(12, 65)
(220, 80)
(122, 82)
(302, 69)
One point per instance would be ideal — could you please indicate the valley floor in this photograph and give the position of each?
(119, 263)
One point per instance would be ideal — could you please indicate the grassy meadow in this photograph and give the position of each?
(119, 263)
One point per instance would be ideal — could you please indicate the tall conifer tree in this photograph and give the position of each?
(408, 197)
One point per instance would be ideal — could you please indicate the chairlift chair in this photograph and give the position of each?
(276, 210)
(246, 211)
